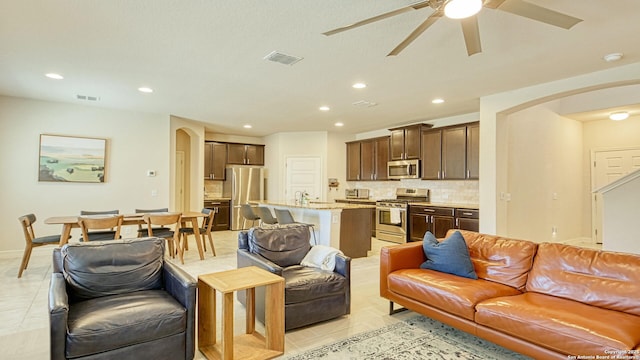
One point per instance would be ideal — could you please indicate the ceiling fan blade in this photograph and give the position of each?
(493, 4)
(471, 34)
(418, 31)
(539, 13)
(389, 14)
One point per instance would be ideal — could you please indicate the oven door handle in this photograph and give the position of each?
(387, 209)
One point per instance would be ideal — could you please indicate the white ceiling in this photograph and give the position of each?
(204, 58)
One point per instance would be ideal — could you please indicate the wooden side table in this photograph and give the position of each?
(250, 345)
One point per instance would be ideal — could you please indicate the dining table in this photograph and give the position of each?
(69, 222)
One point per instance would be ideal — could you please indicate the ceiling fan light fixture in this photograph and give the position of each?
(460, 9)
(617, 116)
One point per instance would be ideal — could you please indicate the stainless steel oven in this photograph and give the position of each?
(391, 221)
(391, 214)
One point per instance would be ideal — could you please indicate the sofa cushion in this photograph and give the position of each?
(306, 283)
(95, 269)
(284, 246)
(451, 293)
(112, 322)
(563, 325)
(605, 279)
(450, 256)
(502, 260)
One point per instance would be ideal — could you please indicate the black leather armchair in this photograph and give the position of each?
(120, 300)
(311, 295)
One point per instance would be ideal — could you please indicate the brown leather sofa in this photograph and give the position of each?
(543, 300)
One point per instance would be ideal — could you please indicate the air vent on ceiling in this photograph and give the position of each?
(87, 98)
(282, 58)
(364, 103)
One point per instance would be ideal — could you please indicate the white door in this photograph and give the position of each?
(608, 166)
(303, 175)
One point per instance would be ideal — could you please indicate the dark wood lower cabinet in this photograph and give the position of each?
(437, 220)
(468, 219)
(222, 220)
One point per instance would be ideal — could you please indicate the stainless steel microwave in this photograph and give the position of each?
(403, 169)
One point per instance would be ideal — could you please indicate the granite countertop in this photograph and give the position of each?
(450, 205)
(317, 205)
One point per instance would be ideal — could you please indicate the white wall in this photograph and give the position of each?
(137, 142)
(545, 179)
(337, 164)
(493, 113)
(282, 145)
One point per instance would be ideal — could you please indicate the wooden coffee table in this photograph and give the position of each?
(250, 345)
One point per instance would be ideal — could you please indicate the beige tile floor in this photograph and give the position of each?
(23, 302)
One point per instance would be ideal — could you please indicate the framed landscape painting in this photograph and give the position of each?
(72, 159)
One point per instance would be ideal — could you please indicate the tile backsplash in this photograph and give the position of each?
(213, 188)
(458, 192)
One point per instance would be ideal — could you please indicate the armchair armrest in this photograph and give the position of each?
(58, 314)
(183, 288)
(343, 265)
(404, 256)
(245, 258)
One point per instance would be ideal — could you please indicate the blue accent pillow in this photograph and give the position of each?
(449, 256)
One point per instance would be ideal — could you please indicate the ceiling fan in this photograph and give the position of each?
(469, 21)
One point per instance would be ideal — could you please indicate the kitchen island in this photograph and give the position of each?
(343, 226)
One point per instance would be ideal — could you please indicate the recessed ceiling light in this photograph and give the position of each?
(145, 90)
(617, 116)
(247, 126)
(437, 101)
(54, 76)
(612, 57)
(338, 124)
(324, 108)
(359, 85)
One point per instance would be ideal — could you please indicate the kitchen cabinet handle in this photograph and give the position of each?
(438, 174)
(468, 174)
(428, 210)
(467, 213)
(457, 223)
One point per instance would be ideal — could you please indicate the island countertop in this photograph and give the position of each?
(316, 205)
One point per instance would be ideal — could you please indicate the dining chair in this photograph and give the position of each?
(101, 234)
(248, 214)
(100, 223)
(32, 241)
(266, 217)
(142, 230)
(205, 230)
(165, 232)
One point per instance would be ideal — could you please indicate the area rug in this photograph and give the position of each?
(416, 338)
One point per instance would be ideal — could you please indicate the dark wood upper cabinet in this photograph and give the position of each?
(353, 161)
(451, 153)
(245, 154)
(367, 159)
(405, 142)
(215, 156)
(454, 153)
(431, 155)
(381, 157)
(473, 151)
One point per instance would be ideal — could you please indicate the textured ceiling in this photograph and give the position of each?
(204, 58)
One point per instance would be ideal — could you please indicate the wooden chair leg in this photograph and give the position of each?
(213, 249)
(25, 259)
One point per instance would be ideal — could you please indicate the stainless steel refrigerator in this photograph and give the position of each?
(243, 184)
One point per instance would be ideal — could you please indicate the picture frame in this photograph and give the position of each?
(72, 159)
